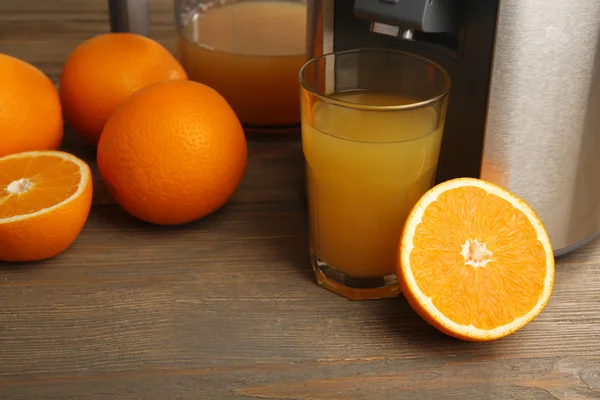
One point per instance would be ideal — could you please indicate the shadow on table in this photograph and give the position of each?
(399, 321)
(20, 267)
(114, 215)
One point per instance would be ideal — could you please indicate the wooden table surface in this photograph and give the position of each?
(227, 308)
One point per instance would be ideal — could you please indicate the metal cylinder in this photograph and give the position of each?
(129, 16)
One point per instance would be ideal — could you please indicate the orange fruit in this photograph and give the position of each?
(45, 199)
(173, 152)
(30, 111)
(475, 261)
(106, 69)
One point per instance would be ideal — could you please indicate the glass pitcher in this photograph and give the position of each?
(250, 51)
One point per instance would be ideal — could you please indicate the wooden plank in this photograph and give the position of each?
(227, 307)
(231, 292)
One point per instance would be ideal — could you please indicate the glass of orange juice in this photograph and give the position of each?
(372, 123)
(250, 51)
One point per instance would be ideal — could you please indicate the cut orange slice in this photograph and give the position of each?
(45, 199)
(475, 261)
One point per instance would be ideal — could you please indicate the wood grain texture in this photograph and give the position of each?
(227, 308)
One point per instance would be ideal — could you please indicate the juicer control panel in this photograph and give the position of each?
(401, 18)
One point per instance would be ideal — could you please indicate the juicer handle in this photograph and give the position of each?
(129, 16)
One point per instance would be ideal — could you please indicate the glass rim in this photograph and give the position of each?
(443, 93)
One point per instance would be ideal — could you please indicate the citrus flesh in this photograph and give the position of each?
(45, 199)
(475, 260)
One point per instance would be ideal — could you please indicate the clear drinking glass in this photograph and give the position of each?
(372, 122)
(250, 51)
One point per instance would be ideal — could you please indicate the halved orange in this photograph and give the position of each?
(475, 260)
(45, 199)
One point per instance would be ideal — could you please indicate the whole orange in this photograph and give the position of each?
(173, 152)
(103, 71)
(30, 111)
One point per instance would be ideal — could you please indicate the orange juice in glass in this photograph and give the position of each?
(250, 51)
(372, 123)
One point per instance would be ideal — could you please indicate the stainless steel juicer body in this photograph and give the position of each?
(524, 108)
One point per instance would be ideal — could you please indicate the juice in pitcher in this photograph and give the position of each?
(251, 53)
